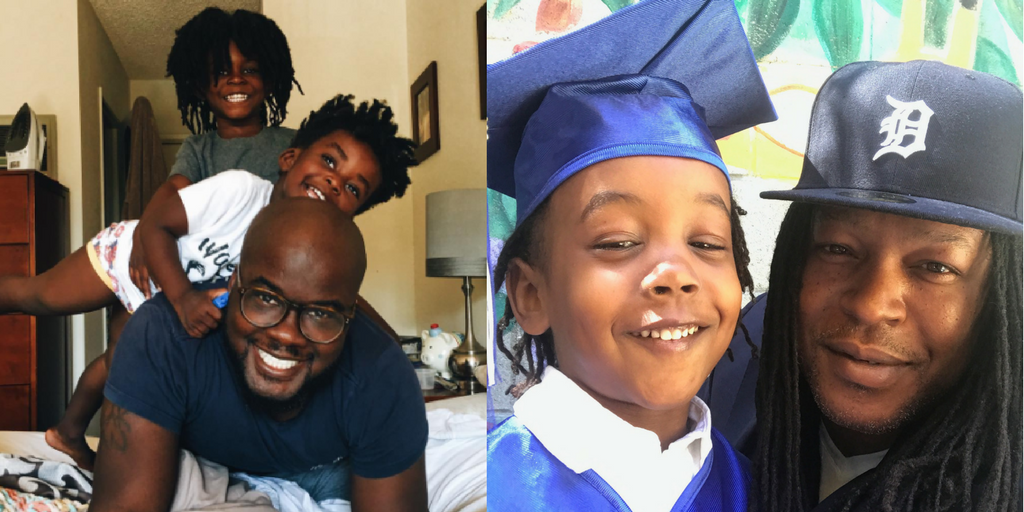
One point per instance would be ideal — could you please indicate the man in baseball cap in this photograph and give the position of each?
(891, 345)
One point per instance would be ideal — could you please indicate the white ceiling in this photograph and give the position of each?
(142, 31)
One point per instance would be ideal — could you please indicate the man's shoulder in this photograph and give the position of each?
(369, 346)
(155, 325)
(158, 310)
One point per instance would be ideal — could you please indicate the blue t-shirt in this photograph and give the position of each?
(371, 410)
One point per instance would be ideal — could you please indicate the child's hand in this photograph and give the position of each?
(138, 270)
(196, 311)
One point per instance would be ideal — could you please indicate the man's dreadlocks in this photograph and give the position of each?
(531, 354)
(207, 36)
(372, 124)
(965, 455)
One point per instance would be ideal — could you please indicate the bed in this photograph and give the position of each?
(455, 464)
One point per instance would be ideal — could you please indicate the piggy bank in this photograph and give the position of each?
(437, 346)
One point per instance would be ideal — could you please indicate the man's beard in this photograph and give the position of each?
(841, 416)
(275, 407)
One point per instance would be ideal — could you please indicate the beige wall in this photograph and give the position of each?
(449, 37)
(100, 72)
(360, 51)
(161, 96)
(39, 58)
(55, 56)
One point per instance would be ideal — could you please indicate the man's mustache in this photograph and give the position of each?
(875, 336)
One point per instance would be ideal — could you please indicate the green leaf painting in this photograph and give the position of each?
(1013, 13)
(740, 6)
(768, 24)
(991, 59)
(936, 21)
(839, 25)
(614, 5)
(893, 7)
(503, 7)
(501, 209)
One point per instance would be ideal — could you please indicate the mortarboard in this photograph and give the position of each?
(662, 77)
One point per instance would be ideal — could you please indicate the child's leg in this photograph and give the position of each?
(69, 435)
(70, 287)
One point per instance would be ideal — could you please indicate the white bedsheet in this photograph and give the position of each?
(456, 455)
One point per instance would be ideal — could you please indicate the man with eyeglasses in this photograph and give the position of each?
(297, 383)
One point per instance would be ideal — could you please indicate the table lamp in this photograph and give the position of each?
(457, 247)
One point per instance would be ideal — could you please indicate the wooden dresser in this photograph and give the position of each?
(34, 352)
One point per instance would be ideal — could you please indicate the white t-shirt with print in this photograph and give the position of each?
(219, 210)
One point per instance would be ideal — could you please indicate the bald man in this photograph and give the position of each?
(295, 384)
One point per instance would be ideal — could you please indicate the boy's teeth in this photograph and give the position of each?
(669, 334)
(273, 362)
(314, 193)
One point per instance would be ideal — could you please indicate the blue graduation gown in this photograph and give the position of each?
(522, 475)
(729, 391)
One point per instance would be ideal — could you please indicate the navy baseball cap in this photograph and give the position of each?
(921, 139)
(661, 77)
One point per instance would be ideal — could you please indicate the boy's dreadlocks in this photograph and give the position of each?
(531, 354)
(965, 455)
(207, 36)
(372, 124)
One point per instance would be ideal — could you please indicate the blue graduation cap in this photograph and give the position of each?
(662, 77)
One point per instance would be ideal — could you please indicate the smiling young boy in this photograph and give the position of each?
(625, 272)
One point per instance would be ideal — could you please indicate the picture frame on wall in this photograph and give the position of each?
(426, 132)
(481, 49)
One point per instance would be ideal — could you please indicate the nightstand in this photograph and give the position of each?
(439, 393)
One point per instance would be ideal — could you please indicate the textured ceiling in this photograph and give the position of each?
(142, 31)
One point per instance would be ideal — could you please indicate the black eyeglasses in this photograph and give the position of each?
(319, 324)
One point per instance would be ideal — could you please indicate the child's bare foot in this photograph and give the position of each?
(76, 448)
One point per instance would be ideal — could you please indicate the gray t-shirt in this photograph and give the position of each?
(204, 155)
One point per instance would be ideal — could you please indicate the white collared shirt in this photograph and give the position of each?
(584, 435)
(837, 469)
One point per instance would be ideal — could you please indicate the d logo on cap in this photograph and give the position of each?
(898, 126)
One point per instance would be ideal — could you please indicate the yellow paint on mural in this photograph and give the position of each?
(962, 38)
(759, 156)
(775, 150)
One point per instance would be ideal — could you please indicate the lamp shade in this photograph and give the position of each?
(457, 233)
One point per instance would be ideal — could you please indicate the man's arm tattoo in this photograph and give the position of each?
(115, 428)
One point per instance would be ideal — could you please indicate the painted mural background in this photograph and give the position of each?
(797, 43)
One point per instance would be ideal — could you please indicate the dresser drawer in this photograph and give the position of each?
(14, 209)
(14, 260)
(15, 350)
(15, 410)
